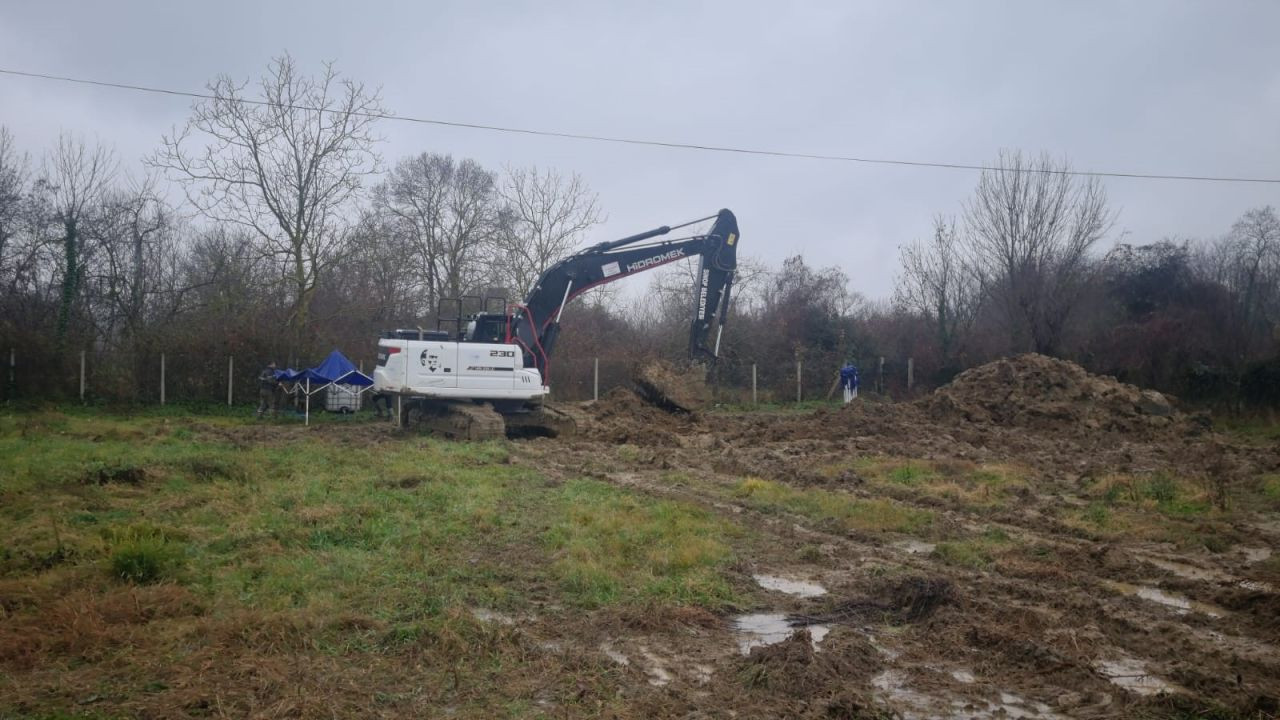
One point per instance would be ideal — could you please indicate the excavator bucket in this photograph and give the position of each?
(672, 388)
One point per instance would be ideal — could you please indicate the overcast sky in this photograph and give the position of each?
(1163, 86)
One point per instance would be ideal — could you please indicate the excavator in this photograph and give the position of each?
(486, 376)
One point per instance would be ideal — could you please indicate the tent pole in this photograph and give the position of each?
(307, 415)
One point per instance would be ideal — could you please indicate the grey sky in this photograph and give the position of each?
(1162, 86)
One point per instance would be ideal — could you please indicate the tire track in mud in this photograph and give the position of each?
(1024, 644)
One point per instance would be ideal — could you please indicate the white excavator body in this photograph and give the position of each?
(448, 370)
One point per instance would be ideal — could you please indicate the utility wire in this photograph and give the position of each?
(637, 141)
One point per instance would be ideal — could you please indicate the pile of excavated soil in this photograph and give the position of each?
(622, 416)
(1038, 392)
(672, 388)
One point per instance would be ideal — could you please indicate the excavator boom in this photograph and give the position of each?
(535, 324)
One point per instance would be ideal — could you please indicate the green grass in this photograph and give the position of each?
(838, 509)
(1257, 429)
(612, 548)
(960, 484)
(401, 532)
(1159, 507)
(321, 542)
(1158, 492)
(976, 552)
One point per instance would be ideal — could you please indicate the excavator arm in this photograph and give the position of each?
(536, 324)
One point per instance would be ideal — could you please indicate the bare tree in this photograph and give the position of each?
(1030, 226)
(550, 215)
(450, 212)
(938, 282)
(1246, 263)
(13, 190)
(287, 166)
(76, 177)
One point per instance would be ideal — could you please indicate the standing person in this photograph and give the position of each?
(849, 381)
(382, 405)
(267, 386)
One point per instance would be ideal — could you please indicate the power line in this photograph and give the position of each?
(637, 141)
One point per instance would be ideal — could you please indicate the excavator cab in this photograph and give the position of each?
(486, 328)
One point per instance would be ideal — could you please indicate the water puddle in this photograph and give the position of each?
(799, 588)
(492, 616)
(1255, 555)
(658, 675)
(1015, 706)
(1132, 675)
(614, 654)
(1190, 572)
(1180, 604)
(909, 704)
(915, 547)
(758, 630)
(1256, 586)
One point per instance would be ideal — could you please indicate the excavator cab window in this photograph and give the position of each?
(487, 328)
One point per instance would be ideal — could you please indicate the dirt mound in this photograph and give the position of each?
(794, 667)
(908, 600)
(622, 416)
(1039, 392)
(672, 388)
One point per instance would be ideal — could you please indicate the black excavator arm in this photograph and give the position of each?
(535, 325)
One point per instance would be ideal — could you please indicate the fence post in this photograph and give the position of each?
(13, 378)
(799, 389)
(231, 368)
(880, 377)
(911, 373)
(595, 381)
(755, 399)
(161, 378)
(81, 377)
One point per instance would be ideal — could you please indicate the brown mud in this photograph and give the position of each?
(673, 388)
(1063, 592)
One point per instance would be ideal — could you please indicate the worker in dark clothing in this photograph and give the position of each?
(382, 405)
(849, 381)
(268, 387)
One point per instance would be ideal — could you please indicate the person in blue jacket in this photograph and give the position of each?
(849, 381)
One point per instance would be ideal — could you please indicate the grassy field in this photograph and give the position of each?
(158, 564)
(171, 563)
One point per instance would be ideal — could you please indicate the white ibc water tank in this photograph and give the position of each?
(342, 398)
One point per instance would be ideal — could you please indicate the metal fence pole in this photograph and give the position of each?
(911, 373)
(799, 389)
(161, 378)
(231, 368)
(880, 377)
(13, 369)
(595, 381)
(81, 377)
(755, 398)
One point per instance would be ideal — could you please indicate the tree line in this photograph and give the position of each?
(268, 226)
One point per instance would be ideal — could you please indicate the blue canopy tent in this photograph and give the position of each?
(336, 371)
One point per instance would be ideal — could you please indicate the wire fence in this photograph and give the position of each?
(204, 378)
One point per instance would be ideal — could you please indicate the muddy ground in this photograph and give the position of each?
(1029, 541)
(1120, 567)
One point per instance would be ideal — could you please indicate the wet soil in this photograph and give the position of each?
(1060, 621)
